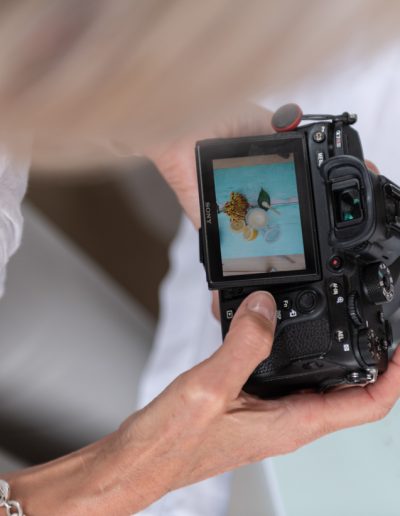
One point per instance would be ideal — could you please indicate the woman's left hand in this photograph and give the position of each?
(176, 161)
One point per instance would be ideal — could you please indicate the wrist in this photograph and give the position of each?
(58, 487)
(99, 479)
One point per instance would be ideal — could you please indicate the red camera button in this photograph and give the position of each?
(336, 263)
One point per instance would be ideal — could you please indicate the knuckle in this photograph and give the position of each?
(197, 395)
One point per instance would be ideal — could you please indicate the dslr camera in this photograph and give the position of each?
(299, 214)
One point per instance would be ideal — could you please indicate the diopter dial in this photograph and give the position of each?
(378, 283)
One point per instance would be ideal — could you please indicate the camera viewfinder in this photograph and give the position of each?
(347, 202)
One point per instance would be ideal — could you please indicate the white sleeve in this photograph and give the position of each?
(13, 182)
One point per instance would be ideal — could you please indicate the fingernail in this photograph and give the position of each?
(262, 303)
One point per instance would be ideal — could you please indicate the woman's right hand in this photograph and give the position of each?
(203, 424)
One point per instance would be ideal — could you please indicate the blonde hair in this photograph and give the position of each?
(79, 73)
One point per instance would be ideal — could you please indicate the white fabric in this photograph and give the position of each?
(187, 330)
(13, 181)
(370, 89)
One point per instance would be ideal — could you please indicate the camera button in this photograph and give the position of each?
(319, 136)
(335, 263)
(284, 315)
(285, 310)
(307, 301)
(340, 336)
(229, 314)
(320, 158)
(335, 289)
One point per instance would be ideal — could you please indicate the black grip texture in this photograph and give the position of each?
(297, 341)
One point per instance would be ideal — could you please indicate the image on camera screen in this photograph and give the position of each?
(258, 215)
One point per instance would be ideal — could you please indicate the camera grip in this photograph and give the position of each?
(296, 341)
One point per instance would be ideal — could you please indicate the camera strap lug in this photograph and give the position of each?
(362, 378)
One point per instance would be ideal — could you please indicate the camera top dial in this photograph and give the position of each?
(378, 283)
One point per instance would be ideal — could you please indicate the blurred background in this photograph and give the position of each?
(123, 217)
(82, 289)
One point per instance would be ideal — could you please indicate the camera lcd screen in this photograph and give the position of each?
(259, 221)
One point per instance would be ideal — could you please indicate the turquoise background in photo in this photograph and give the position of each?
(279, 180)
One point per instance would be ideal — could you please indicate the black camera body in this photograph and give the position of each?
(299, 214)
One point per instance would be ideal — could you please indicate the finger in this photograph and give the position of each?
(215, 305)
(248, 120)
(372, 167)
(386, 391)
(317, 415)
(254, 120)
(247, 343)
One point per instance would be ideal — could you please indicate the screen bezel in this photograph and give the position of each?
(282, 144)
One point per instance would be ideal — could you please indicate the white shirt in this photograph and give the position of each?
(13, 181)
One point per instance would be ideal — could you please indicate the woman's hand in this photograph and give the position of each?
(176, 161)
(204, 424)
(201, 425)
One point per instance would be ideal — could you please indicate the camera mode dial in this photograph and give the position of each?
(378, 283)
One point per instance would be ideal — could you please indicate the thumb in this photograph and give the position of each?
(248, 342)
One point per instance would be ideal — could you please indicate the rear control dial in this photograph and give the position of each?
(354, 310)
(378, 283)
